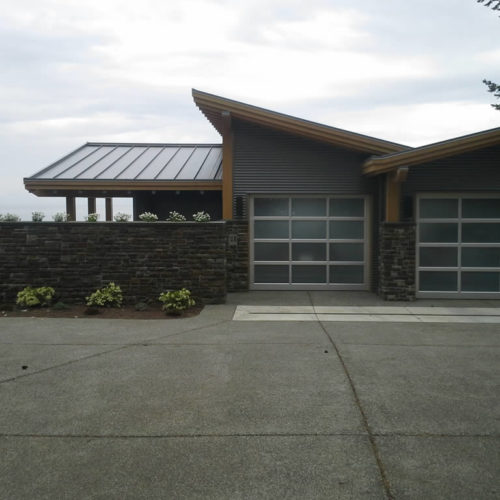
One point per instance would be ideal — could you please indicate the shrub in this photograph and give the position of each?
(176, 301)
(37, 216)
(148, 217)
(92, 217)
(201, 216)
(60, 217)
(32, 297)
(9, 218)
(175, 217)
(120, 217)
(108, 296)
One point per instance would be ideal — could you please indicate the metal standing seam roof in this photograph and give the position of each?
(137, 162)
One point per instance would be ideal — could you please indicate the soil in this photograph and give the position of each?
(82, 311)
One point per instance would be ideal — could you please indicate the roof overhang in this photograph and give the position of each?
(431, 152)
(213, 107)
(113, 187)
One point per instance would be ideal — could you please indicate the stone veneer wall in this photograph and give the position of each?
(397, 261)
(237, 258)
(76, 258)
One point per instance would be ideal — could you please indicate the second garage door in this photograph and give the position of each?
(309, 242)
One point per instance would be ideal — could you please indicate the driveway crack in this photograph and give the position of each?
(371, 436)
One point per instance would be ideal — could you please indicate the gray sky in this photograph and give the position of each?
(109, 70)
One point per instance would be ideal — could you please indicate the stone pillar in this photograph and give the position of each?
(237, 257)
(397, 242)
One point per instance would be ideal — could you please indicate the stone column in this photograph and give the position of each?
(397, 247)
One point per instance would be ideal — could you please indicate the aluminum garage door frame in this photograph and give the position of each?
(351, 239)
(458, 245)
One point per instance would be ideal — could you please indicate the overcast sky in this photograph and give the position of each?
(108, 70)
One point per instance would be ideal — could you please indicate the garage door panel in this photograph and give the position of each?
(321, 242)
(272, 274)
(481, 257)
(308, 229)
(308, 207)
(277, 207)
(271, 251)
(462, 232)
(271, 229)
(481, 232)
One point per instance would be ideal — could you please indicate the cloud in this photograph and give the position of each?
(118, 70)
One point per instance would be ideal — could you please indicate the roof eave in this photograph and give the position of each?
(46, 186)
(212, 106)
(376, 166)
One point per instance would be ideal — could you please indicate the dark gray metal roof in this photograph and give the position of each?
(138, 162)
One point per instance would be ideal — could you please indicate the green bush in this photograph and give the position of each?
(9, 218)
(32, 297)
(176, 301)
(108, 296)
(60, 217)
(37, 216)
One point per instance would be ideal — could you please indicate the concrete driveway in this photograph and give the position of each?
(208, 407)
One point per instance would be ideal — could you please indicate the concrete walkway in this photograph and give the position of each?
(209, 407)
(384, 314)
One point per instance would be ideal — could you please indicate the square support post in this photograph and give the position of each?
(392, 198)
(227, 167)
(109, 209)
(71, 207)
(91, 206)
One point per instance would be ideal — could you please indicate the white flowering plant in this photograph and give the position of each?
(92, 217)
(148, 217)
(201, 216)
(121, 217)
(175, 217)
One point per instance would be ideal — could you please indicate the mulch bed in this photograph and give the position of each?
(81, 311)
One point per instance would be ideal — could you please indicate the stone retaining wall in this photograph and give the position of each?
(145, 259)
(397, 261)
(237, 258)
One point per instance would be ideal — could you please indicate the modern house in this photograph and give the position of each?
(326, 208)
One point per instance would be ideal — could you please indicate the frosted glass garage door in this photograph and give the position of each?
(308, 242)
(458, 246)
